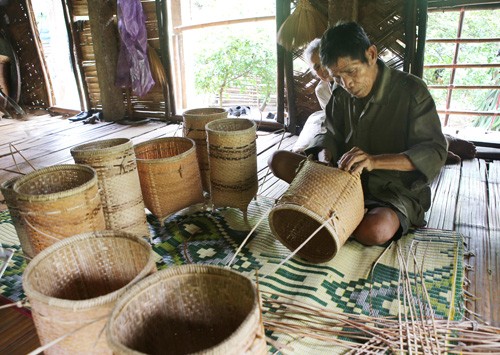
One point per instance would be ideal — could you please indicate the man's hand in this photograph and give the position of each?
(355, 160)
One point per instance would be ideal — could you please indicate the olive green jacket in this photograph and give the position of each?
(400, 117)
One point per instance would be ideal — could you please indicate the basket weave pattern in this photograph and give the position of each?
(317, 193)
(75, 283)
(58, 202)
(233, 162)
(118, 180)
(199, 308)
(195, 121)
(169, 174)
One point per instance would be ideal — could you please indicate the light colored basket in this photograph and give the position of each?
(317, 193)
(10, 197)
(195, 121)
(118, 180)
(233, 162)
(58, 202)
(169, 174)
(189, 309)
(73, 285)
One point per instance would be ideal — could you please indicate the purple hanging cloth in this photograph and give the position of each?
(133, 66)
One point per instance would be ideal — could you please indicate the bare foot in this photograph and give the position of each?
(464, 149)
(452, 158)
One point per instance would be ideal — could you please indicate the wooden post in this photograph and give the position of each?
(105, 39)
(282, 11)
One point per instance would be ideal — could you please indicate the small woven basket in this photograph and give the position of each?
(317, 193)
(233, 162)
(58, 202)
(195, 121)
(189, 309)
(118, 180)
(169, 174)
(73, 285)
(10, 197)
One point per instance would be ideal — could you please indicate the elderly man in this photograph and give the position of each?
(381, 122)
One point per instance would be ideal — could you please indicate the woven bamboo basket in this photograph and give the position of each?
(195, 121)
(189, 309)
(233, 162)
(10, 197)
(118, 180)
(57, 202)
(73, 285)
(169, 174)
(317, 194)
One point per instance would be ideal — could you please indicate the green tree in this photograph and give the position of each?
(239, 64)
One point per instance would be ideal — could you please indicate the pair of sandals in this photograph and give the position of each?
(91, 116)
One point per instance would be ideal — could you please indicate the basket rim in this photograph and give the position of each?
(212, 130)
(199, 113)
(9, 183)
(191, 150)
(92, 148)
(175, 271)
(55, 195)
(31, 292)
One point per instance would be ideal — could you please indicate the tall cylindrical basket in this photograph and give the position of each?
(169, 174)
(233, 162)
(318, 193)
(121, 196)
(73, 285)
(57, 202)
(189, 309)
(195, 121)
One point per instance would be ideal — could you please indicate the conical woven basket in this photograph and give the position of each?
(118, 180)
(233, 162)
(10, 197)
(58, 202)
(195, 121)
(169, 174)
(189, 309)
(73, 285)
(317, 193)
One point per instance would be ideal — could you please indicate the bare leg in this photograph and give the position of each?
(284, 164)
(377, 227)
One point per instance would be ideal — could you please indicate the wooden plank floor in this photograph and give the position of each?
(465, 198)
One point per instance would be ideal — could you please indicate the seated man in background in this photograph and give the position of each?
(380, 122)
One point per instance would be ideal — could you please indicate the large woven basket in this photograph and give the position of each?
(73, 285)
(118, 179)
(58, 202)
(317, 193)
(169, 174)
(233, 162)
(189, 309)
(195, 121)
(10, 197)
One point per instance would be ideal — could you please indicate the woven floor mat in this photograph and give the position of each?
(360, 280)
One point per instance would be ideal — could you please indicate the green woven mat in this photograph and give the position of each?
(362, 280)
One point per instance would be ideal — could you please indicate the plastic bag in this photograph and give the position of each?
(133, 65)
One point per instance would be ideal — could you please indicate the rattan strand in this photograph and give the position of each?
(317, 193)
(58, 202)
(10, 197)
(198, 308)
(233, 162)
(118, 180)
(195, 121)
(169, 174)
(77, 281)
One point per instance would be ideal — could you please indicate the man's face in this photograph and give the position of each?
(355, 76)
(318, 69)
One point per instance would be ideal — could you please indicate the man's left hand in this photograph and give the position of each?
(355, 160)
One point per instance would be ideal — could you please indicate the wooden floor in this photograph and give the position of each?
(465, 199)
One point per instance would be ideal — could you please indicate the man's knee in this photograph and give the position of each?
(377, 227)
(284, 164)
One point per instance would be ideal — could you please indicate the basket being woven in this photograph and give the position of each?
(58, 202)
(317, 193)
(195, 121)
(233, 162)
(73, 285)
(169, 174)
(189, 309)
(118, 180)
(10, 197)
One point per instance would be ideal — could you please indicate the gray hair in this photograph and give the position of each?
(312, 47)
